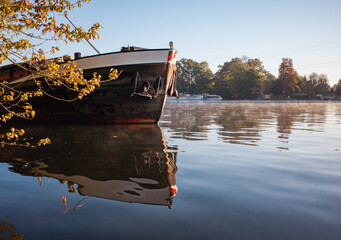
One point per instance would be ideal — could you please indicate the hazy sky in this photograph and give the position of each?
(308, 31)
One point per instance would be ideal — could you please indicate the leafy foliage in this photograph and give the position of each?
(242, 79)
(337, 88)
(194, 77)
(25, 26)
(318, 83)
(288, 77)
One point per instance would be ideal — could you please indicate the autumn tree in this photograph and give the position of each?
(288, 77)
(25, 28)
(194, 77)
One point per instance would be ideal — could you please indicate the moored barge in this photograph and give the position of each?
(139, 94)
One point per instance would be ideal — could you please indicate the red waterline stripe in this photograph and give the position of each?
(15, 75)
(136, 120)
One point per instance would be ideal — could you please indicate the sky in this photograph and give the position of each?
(216, 31)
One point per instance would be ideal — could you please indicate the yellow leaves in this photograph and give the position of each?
(13, 134)
(38, 93)
(7, 98)
(21, 14)
(27, 106)
(97, 26)
(64, 201)
(21, 132)
(43, 142)
(24, 97)
(13, 139)
(24, 27)
(113, 74)
(7, 116)
(53, 67)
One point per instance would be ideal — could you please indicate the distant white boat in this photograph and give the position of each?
(186, 97)
(209, 97)
(195, 97)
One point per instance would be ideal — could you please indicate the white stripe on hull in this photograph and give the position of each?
(123, 58)
(114, 60)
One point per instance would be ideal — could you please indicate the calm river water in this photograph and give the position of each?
(230, 170)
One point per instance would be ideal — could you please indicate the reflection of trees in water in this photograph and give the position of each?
(337, 114)
(299, 116)
(189, 121)
(240, 122)
(285, 119)
(7, 231)
(243, 122)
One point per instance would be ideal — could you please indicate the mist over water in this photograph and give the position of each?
(242, 170)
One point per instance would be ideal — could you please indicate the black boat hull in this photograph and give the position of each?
(120, 101)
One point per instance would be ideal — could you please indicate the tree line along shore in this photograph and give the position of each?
(246, 78)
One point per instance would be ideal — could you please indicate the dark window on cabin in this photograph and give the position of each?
(5, 74)
(18, 72)
(11, 73)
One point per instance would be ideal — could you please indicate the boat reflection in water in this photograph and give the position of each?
(129, 163)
